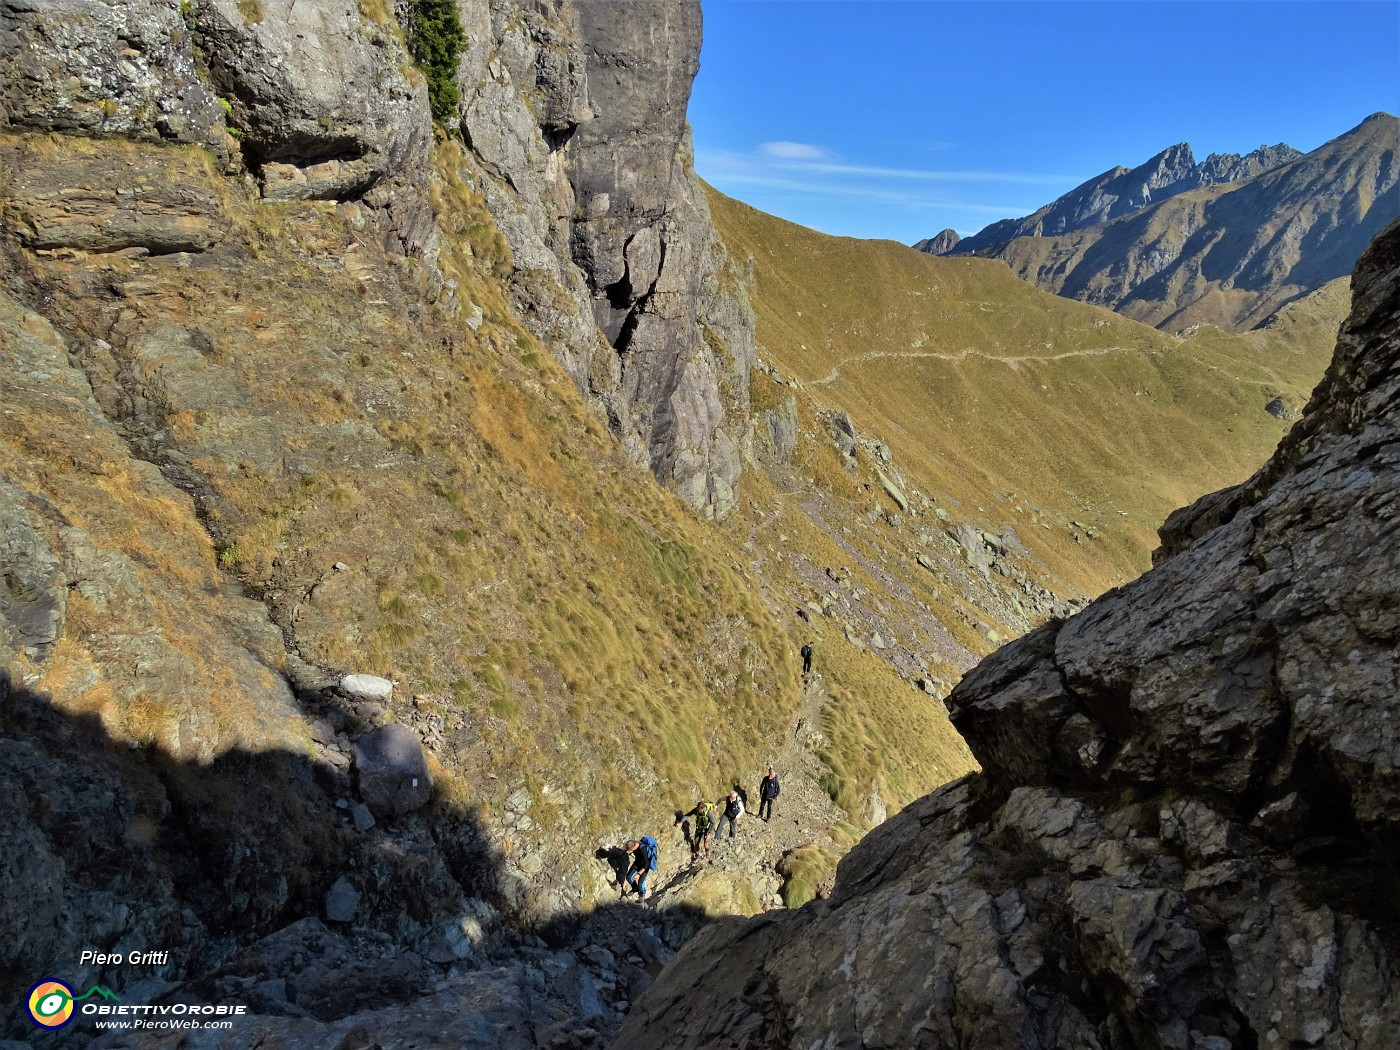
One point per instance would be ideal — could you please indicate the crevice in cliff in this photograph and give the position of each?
(623, 342)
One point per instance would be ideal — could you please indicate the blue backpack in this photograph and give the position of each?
(648, 851)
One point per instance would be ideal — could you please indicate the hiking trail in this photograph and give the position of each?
(1008, 359)
(801, 815)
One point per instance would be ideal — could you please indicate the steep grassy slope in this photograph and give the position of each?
(297, 416)
(1014, 408)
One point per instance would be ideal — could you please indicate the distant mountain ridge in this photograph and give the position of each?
(1171, 244)
(1120, 191)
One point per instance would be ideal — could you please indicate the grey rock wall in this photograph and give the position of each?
(104, 67)
(1185, 833)
(576, 116)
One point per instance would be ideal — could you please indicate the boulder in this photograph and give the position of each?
(367, 687)
(391, 771)
(342, 900)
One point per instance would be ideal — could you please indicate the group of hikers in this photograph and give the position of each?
(707, 821)
(701, 826)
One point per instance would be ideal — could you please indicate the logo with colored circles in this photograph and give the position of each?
(51, 1002)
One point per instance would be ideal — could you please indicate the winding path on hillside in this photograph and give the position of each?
(1009, 359)
(801, 816)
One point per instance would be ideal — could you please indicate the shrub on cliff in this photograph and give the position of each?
(436, 39)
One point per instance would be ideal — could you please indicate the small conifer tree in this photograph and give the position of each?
(436, 39)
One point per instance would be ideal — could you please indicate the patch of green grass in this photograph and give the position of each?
(804, 871)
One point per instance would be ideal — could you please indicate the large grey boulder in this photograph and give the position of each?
(1186, 829)
(392, 771)
(367, 687)
(342, 900)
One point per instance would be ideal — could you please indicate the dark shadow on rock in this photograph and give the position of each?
(119, 847)
(239, 868)
(619, 860)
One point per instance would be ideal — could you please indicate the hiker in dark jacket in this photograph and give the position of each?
(806, 659)
(768, 789)
(733, 810)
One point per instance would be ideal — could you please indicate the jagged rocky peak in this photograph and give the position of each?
(1231, 167)
(1256, 232)
(941, 244)
(1186, 831)
(1121, 191)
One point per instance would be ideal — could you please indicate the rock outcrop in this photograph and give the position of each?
(1185, 833)
(576, 115)
(940, 244)
(1227, 242)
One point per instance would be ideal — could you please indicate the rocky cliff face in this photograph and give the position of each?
(575, 119)
(1172, 245)
(1185, 833)
(278, 408)
(576, 113)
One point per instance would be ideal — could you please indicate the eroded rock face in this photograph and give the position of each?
(577, 117)
(104, 67)
(1187, 818)
(317, 88)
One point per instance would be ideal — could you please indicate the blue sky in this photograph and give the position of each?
(876, 118)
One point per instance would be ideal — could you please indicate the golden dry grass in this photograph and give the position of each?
(1011, 406)
(503, 558)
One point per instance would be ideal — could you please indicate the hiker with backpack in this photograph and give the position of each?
(768, 789)
(644, 853)
(733, 810)
(806, 659)
(704, 814)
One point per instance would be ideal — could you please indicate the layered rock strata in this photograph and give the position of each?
(1185, 834)
(575, 119)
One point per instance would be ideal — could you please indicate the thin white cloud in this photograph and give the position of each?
(800, 151)
(806, 158)
(800, 172)
(938, 176)
(907, 198)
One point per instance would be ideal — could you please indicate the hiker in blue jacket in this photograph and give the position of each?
(644, 857)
